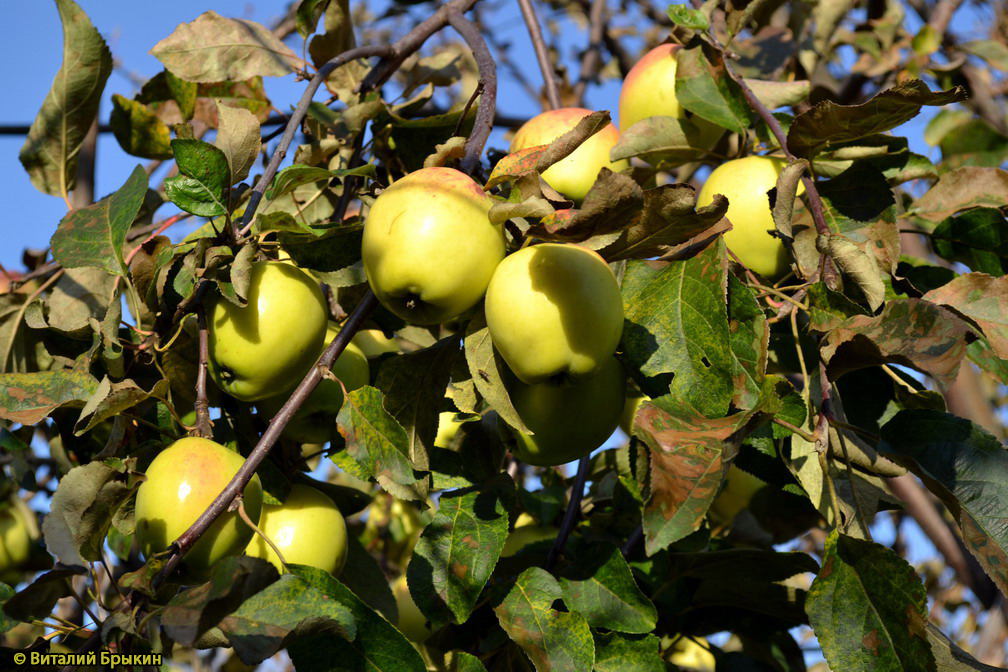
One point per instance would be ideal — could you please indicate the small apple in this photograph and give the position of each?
(313, 421)
(181, 483)
(412, 623)
(447, 428)
(633, 401)
(269, 344)
(688, 654)
(429, 247)
(740, 486)
(745, 183)
(18, 532)
(373, 343)
(649, 91)
(573, 175)
(554, 311)
(308, 529)
(526, 531)
(568, 419)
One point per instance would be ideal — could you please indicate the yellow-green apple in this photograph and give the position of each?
(554, 311)
(412, 622)
(745, 183)
(373, 343)
(314, 419)
(181, 483)
(633, 401)
(18, 532)
(447, 428)
(740, 486)
(688, 654)
(649, 91)
(573, 175)
(269, 344)
(308, 529)
(526, 531)
(568, 419)
(429, 247)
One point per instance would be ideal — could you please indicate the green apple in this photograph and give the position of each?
(269, 344)
(308, 529)
(447, 428)
(373, 343)
(633, 401)
(526, 531)
(573, 175)
(745, 183)
(740, 486)
(313, 421)
(568, 419)
(181, 483)
(429, 247)
(412, 622)
(649, 91)
(554, 311)
(18, 532)
(688, 654)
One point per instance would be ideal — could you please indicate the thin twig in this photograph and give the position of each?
(203, 424)
(181, 545)
(591, 59)
(635, 538)
(255, 528)
(541, 52)
(488, 100)
(295, 121)
(570, 515)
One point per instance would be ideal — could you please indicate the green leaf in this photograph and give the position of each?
(616, 652)
(458, 551)
(669, 222)
(308, 14)
(234, 581)
(983, 300)
(414, 385)
(676, 330)
(377, 443)
(37, 600)
(293, 607)
(599, 586)
(981, 354)
(962, 189)
(977, 238)
(967, 468)
(49, 153)
(139, 130)
(204, 175)
(774, 94)
(869, 609)
(6, 622)
(749, 339)
(112, 398)
(555, 641)
(951, 658)
(485, 367)
(81, 511)
(28, 397)
(377, 647)
(830, 123)
(362, 575)
(683, 15)
(685, 451)
(217, 49)
(829, 308)
(94, 236)
(992, 51)
(238, 137)
(660, 139)
(910, 332)
(704, 87)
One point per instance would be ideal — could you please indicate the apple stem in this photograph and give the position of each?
(570, 515)
(255, 528)
(542, 54)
